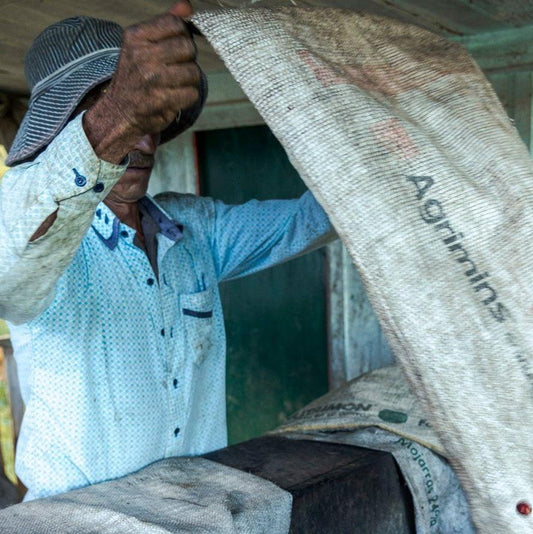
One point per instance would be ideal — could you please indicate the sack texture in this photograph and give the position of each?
(405, 144)
(381, 398)
(378, 411)
(179, 495)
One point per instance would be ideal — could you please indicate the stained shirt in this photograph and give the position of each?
(119, 367)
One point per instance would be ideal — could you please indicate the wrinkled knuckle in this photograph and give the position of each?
(151, 77)
(136, 56)
(195, 94)
(156, 99)
(169, 23)
(131, 33)
(191, 74)
(186, 44)
(169, 116)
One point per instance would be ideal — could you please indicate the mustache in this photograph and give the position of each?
(140, 160)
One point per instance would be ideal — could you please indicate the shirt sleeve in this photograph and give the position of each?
(259, 234)
(67, 178)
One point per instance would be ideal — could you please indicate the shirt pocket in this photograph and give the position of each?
(197, 315)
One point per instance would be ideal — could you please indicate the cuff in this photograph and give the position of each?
(74, 168)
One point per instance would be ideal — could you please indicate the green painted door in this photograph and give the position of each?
(276, 319)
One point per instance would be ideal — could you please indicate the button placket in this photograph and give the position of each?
(174, 419)
(150, 288)
(176, 390)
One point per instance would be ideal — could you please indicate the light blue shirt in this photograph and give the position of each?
(119, 369)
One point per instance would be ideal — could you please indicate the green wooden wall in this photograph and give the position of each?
(276, 319)
(506, 57)
(514, 90)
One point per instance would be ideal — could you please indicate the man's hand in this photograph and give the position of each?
(156, 77)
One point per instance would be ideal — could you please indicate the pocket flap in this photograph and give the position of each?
(198, 305)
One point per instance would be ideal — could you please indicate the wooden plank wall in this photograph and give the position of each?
(514, 90)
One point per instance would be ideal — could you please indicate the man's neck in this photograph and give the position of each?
(128, 213)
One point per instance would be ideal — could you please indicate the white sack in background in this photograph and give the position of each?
(179, 495)
(403, 141)
(378, 411)
(381, 398)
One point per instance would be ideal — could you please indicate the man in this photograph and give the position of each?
(112, 296)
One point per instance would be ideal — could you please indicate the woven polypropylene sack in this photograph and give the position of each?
(176, 495)
(378, 411)
(381, 398)
(404, 143)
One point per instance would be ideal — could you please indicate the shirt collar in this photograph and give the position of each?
(168, 227)
(109, 229)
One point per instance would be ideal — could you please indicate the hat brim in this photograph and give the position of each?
(49, 112)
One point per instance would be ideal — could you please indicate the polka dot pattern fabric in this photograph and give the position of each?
(120, 368)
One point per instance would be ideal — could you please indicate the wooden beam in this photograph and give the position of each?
(335, 488)
(514, 90)
(501, 51)
(227, 106)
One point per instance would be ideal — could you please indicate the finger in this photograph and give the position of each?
(158, 29)
(169, 102)
(182, 9)
(170, 51)
(185, 97)
(182, 75)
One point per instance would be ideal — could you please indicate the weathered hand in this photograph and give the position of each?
(156, 76)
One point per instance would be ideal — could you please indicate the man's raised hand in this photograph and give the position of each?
(155, 78)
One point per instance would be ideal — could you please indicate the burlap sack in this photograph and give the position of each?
(381, 398)
(379, 411)
(404, 143)
(178, 495)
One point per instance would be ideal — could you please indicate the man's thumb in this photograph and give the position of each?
(182, 9)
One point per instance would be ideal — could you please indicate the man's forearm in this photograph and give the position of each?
(46, 208)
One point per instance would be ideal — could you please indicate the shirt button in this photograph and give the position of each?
(99, 187)
(162, 331)
(124, 233)
(79, 179)
(175, 383)
(150, 281)
(176, 431)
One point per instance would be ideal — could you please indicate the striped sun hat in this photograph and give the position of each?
(64, 63)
